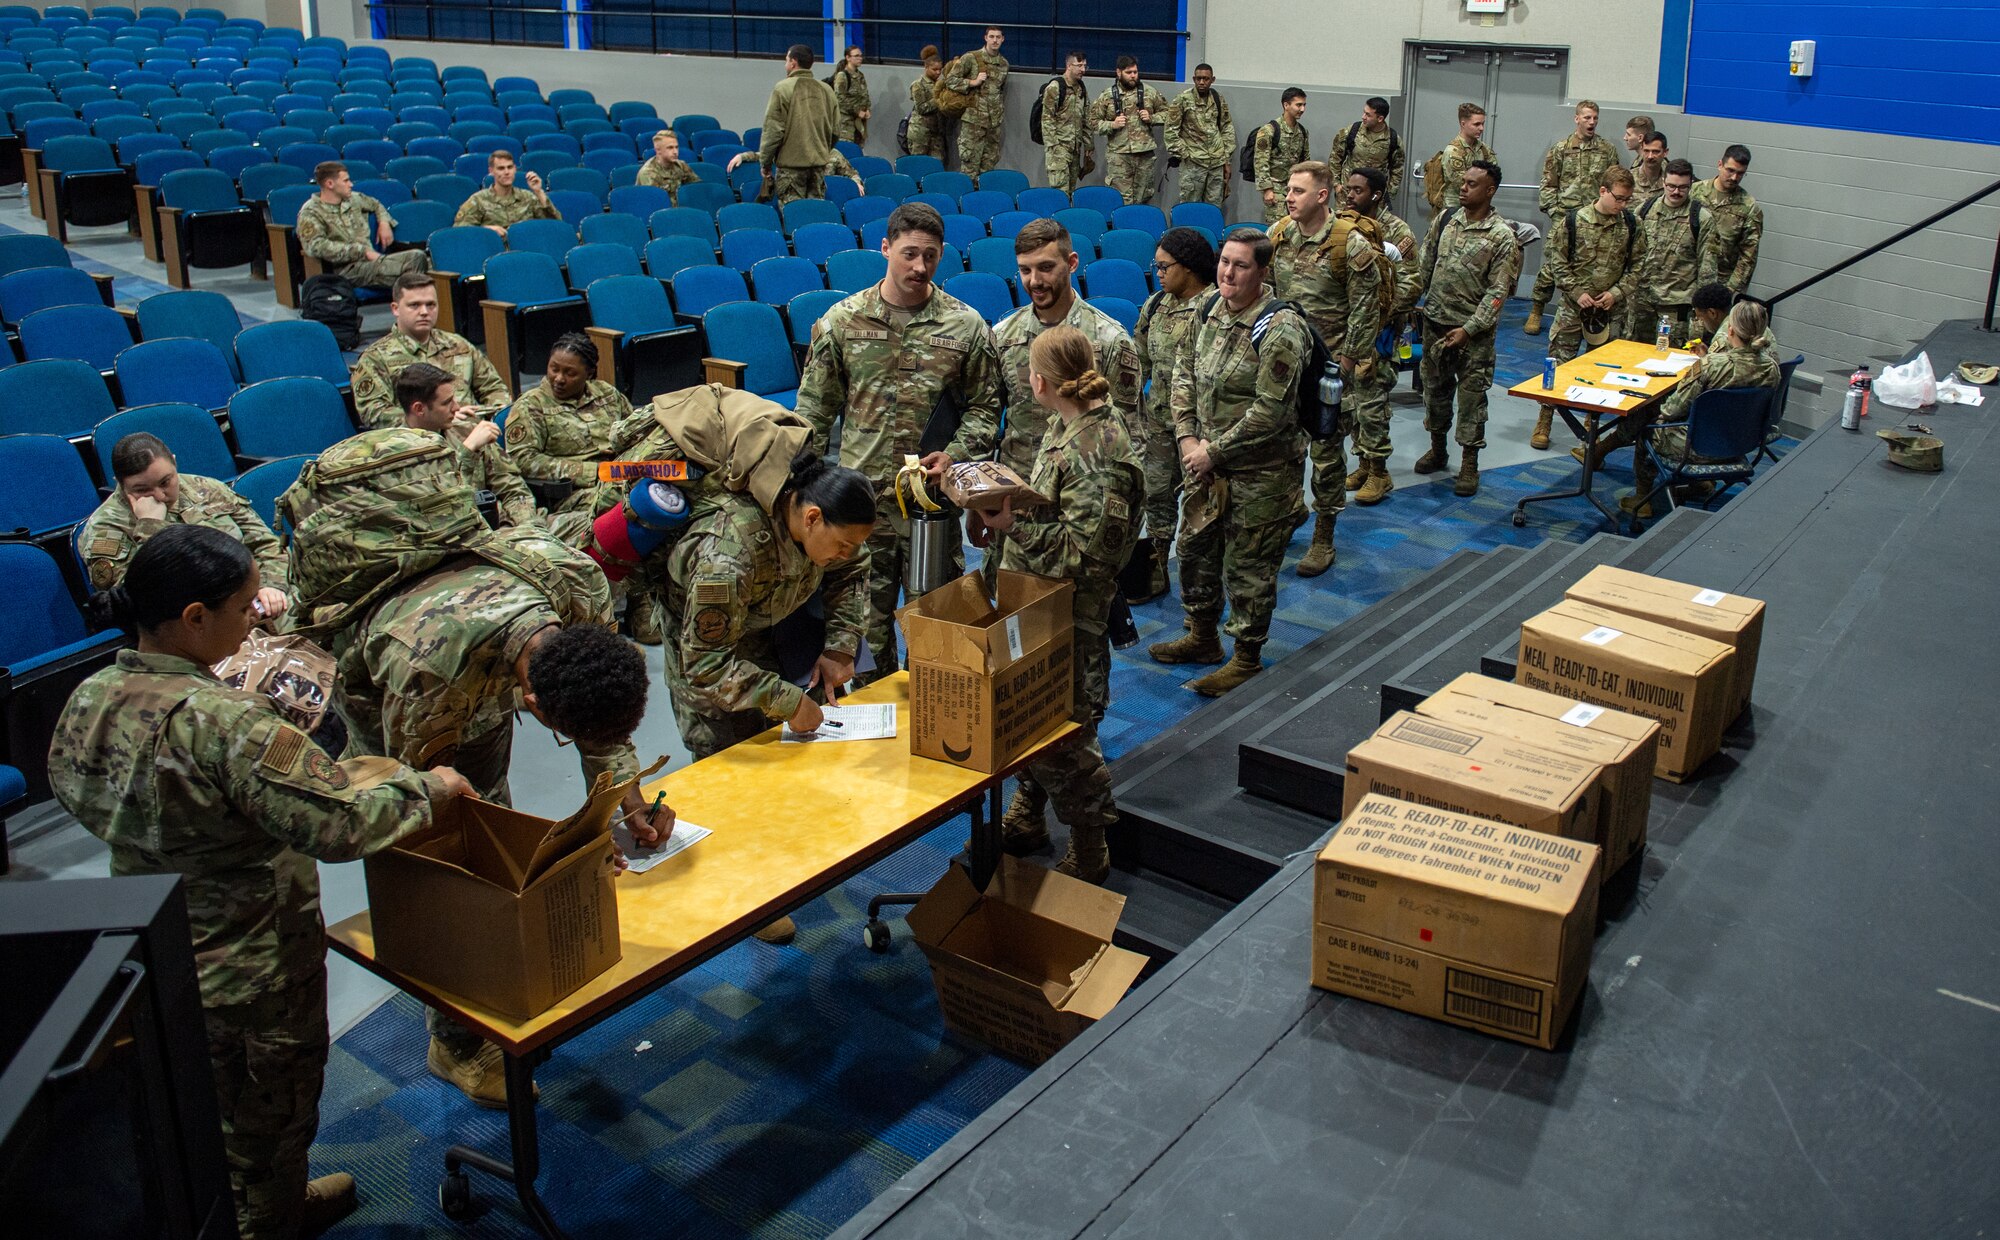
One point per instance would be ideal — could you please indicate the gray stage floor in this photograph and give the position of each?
(1792, 1020)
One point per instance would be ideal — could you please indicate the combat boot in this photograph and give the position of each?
(1437, 458)
(1320, 556)
(1024, 828)
(1533, 326)
(481, 1076)
(1088, 858)
(643, 612)
(1198, 645)
(1359, 478)
(1466, 484)
(1247, 662)
(329, 1199)
(1544, 422)
(1378, 486)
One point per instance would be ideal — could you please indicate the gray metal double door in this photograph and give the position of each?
(1521, 88)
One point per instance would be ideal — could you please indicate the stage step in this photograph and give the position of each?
(1162, 916)
(1436, 668)
(1299, 759)
(1180, 811)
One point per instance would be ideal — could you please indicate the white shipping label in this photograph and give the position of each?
(1601, 636)
(1013, 628)
(1709, 598)
(1581, 715)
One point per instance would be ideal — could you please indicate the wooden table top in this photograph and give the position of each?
(787, 821)
(1619, 354)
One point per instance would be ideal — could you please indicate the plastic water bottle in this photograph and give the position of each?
(1855, 407)
(1665, 336)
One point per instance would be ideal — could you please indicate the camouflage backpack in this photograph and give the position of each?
(950, 102)
(370, 511)
(1335, 248)
(1434, 181)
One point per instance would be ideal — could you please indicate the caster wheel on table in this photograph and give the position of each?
(876, 935)
(1520, 519)
(455, 1196)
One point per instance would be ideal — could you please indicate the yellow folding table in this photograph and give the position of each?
(1585, 417)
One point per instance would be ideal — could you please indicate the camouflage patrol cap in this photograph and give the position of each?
(1978, 372)
(1596, 326)
(1923, 453)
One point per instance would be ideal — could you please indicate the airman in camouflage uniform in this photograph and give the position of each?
(732, 575)
(114, 533)
(181, 775)
(1594, 251)
(1165, 323)
(1736, 363)
(1363, 195)
(1466, 145)
(1735, 218)
(1340, 294)
(851, 101)
(375, 370)
(1369, 143)
(925, 134)
(1090, 471)
(798, 134)
(1066, 136)
(333, 228)
(551, 438)
(1569, 180)
(502, 205)
(881, 370)
(666, 169)
(1680, 254)
(1126, 113)
(1278, 146)
(1237, 404)
(432, 397)
(1202, 136)
(981, 74)
(1649, 170)
(1470, 261)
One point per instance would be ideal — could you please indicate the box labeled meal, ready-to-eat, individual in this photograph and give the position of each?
(1608, 658)
(1462, 919)
(1450, 766)
(503, 909)
(1621, 744)
(988, 677)
(1028, 963)
(1733, 620)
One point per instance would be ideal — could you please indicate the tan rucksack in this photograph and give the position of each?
(1334, 249)
(950, 102)
(1434, 181)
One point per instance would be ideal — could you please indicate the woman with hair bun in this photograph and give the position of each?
(925, 135)
(1093, 478)
(183, 775)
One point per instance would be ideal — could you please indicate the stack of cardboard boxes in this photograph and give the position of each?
(1462, 882)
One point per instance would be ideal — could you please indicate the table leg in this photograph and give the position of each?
(1587, 431)
(984, 812)
(524, 1136)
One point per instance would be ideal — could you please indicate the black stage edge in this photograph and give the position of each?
(1794, 1007)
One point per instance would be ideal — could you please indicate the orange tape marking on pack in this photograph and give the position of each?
(659, 471)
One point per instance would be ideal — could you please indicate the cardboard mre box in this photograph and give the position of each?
(501, 908)
(1027, 964)
(1621, 745)
(1731, 619)
(1607, 658)
(1448, 766)
(988, 678)
(1461, 919)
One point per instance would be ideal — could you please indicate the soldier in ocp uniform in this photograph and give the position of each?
(413, 304)
(879, 363)
(428, 398)
(1466, 148)
(180, 774)
(1066, 138)
(564, 425)
(666, 170)
(1467, 271)
(925, 134)
(798, 131)
(1649, 173)
(1369, 143)
(333, 228)
(150, 494)
(502, 205)
(1750, 359)
(850, 94)
(1126, 112)
(1736, 218)
(1201, 138)
(1184, 262)
(1365, 194)
(1680, 255)
(981, 74)
(1236, 415)
(1278, 146)
(1569, 181)
(1595, 254)
(1089, 470)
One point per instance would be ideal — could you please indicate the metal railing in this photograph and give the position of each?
(1992, 283)
(609, 27)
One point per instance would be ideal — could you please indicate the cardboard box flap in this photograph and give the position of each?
(1058, 897)
(1579, 621)
(1111, 974)
(1506, 693)
(943, 906)
(1022, 951)
(586, 824)
(1712, 609)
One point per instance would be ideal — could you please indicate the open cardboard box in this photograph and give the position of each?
(1027, 964)
(504, 909)
(988, 678)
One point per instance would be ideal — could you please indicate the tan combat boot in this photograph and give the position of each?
(1359, 477)
(1467, 482)
(481, 1077)
(1533, 326)
(1437, 458)
(1088, 858)
(644, 614)
(1378, 486)
(1024, 828)
(329, 1199)
(1544, 421)
(1247, 663)
(1320, 556)
(1198, 645)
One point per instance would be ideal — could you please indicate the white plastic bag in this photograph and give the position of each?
(1909, 386)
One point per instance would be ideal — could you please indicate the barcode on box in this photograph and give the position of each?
(1435, 736)
(1493, 1015)
(1582, 715)
(1602, 636)
(1486, 986)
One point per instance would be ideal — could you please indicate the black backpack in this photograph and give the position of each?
(1353, 134)
(1631, 234)
(1246, 162)
(1320, 386)
(1035, 113)
(330, 299)
(1694, 220)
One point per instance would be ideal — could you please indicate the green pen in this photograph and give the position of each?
(659, 799)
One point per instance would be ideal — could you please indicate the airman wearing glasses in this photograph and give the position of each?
(1596, 253)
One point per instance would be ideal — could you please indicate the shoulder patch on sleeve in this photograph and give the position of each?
(321, 767)
(283, 751)
(711, 624)
(713, 591)
(104, 547)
